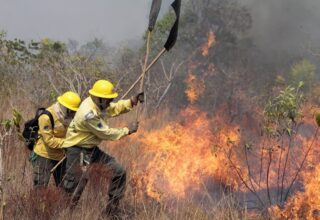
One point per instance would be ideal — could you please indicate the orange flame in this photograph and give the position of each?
(183, 154)
(210, 42)
(179, 155)
(195, 87)
(305, 204)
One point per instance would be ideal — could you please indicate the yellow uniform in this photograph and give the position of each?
(89, 128)
(50, 142)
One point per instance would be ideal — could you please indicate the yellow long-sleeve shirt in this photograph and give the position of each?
(88, 128)
(49, 144)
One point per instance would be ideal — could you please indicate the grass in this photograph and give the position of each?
(23, 202)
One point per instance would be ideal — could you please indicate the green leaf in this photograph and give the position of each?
(7, 123)
(16, 117)
(301, 84)
(289, 131)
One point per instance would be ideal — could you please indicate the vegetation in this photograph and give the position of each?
(231, 82)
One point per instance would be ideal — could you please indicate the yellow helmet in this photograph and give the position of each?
(103, 89)
(70, 100)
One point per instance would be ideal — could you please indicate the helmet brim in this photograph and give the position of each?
(110, 96)
(60, 100)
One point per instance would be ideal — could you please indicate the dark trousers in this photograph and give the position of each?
(41, 171)
(75, 179)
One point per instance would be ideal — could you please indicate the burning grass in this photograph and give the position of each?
(50, 203)
(181, 167)
(306, 204)
(193, 165)
(177, 169)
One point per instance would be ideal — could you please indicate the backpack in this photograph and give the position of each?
(31, 128)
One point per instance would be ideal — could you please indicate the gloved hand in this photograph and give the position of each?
(133, 127)
(137, 98)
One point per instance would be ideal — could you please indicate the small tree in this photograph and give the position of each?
(282, 119)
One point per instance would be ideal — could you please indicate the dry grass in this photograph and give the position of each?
(22, 202)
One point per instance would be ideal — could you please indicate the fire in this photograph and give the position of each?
(195, 87)
(210, 42)
(196, 83)
(305, 204)
(183, 155)
(179, 157)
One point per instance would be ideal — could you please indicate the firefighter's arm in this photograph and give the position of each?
(46, 133)
(100, 128)
(120, 107)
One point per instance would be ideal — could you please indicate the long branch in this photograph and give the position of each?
(261, 163)
(144, 71)
(279, 167)
(245, 183)
(248, 167)
(285, 166)
(302, 163)
(163, 95)
(268, 175)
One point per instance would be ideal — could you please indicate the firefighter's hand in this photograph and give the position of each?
(133, 127)
(137, 98)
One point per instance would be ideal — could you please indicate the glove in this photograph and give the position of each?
(137, 98)
(133, 127)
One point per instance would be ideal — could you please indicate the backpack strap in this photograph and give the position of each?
(46, 112)
(39, 112)
(43, 111)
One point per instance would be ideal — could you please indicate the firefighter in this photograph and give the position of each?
(87, 130)
(48, 148)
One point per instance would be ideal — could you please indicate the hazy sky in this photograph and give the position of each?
(113, 21)
(285, 24)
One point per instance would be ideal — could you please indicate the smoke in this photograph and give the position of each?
(286, 25)
(113, 21)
